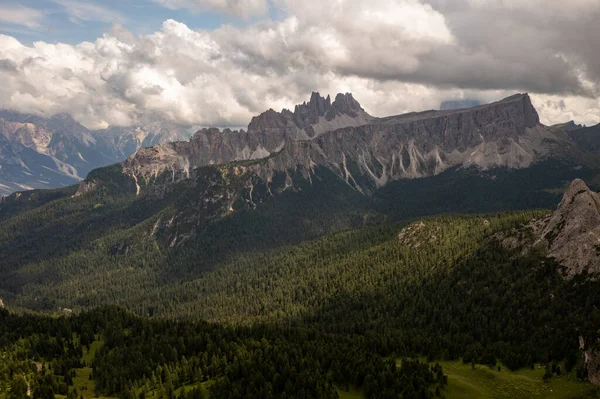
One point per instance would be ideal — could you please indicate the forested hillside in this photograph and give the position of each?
(322, 316)
(108, 245)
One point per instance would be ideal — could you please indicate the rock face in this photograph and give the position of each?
(591, 358)
(573, 231)
(38, 152)
(368, 152)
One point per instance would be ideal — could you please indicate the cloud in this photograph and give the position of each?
(239, 8)
(81, 10)
(394, 55)
(20, 15)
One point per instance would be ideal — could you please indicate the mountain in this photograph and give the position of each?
(458, 104)
(568, 126)
(364, 151)
(124, 141)
(270, 177)
(37, 152)
(587, 138)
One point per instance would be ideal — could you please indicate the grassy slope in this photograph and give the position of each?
(483, 382)
(353, 393)
(82, 375)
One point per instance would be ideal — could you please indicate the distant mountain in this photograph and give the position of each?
(37, 152)
(587, 138)
(567, 126)
(458, 104)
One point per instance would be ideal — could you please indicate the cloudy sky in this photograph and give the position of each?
(219, 62)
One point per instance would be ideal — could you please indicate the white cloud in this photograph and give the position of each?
(394, 55)
(240, 8)
(20, 15)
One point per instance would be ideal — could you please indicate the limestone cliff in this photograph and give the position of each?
(357, 147)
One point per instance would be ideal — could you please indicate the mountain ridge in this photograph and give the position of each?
(505, 133)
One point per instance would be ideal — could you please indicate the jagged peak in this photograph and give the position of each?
(309, 113)
(346, 104)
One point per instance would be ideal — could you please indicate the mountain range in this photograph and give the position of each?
(365, 151)
(349, 167)
(321, 239)
(38, 152)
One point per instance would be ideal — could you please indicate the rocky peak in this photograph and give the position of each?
(310, 112)
(524, 107)
(573, 231)
(311, 116)
(346, 104)
(269, 119)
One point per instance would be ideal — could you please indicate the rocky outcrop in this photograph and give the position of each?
(570, 235)
(591, 359)
(357, 147)
(573, 231)
(85, 187)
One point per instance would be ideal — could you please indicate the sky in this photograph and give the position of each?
(220, 62)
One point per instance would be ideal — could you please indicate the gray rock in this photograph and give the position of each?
(573, 231)
(344, 138)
